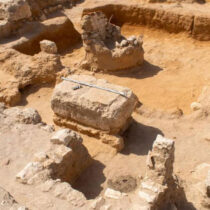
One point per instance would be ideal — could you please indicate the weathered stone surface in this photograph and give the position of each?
(26, 116)
(97, 203)
(30, 170)
(160, 160)
(160, 189)
(110, 193)
(106, 49)
(93, 107)
(48, 47)
(66, 137)
(62, 161)
(14, 10)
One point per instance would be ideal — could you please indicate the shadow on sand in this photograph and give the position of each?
(89, 183)
(139, 138)
(139, 72)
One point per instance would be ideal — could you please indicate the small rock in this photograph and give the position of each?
(28, 172)
(48, 47)
(117, 44)
(147, 197)
(124, 43)
(195, 106)
(110, 193)
(65, 136)
(97, 203)
(48, 128)
(106, 207)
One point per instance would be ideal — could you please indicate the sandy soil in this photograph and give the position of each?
(175, 70)
(175, 67)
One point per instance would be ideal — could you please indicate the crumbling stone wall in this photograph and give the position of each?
(106, 49)
(160, 188)
(65, 160)
(57, 168)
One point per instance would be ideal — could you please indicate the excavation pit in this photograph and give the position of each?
(59, 30)
(122, 183)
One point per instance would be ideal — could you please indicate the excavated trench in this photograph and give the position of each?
(173, 74)
(58, 29)
(173, 20)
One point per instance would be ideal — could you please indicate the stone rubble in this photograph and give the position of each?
(57, 168)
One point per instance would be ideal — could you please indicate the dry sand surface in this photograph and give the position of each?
(175, 70)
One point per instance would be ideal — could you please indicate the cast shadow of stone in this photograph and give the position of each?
(139, 138)
(139, 72)
(89, 182)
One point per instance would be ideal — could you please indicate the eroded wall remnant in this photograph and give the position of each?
(26, 70)
(57, 168)
(160, 188)
(106, 49)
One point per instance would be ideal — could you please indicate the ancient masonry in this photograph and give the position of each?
(158, 189)
(96, 112)
(106, 49)
(57, 168)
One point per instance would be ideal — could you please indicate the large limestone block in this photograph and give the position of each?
(93, 107)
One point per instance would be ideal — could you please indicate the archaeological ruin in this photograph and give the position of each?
(104, 105)
(106, 49)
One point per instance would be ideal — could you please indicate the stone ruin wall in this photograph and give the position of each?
(106, 49)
